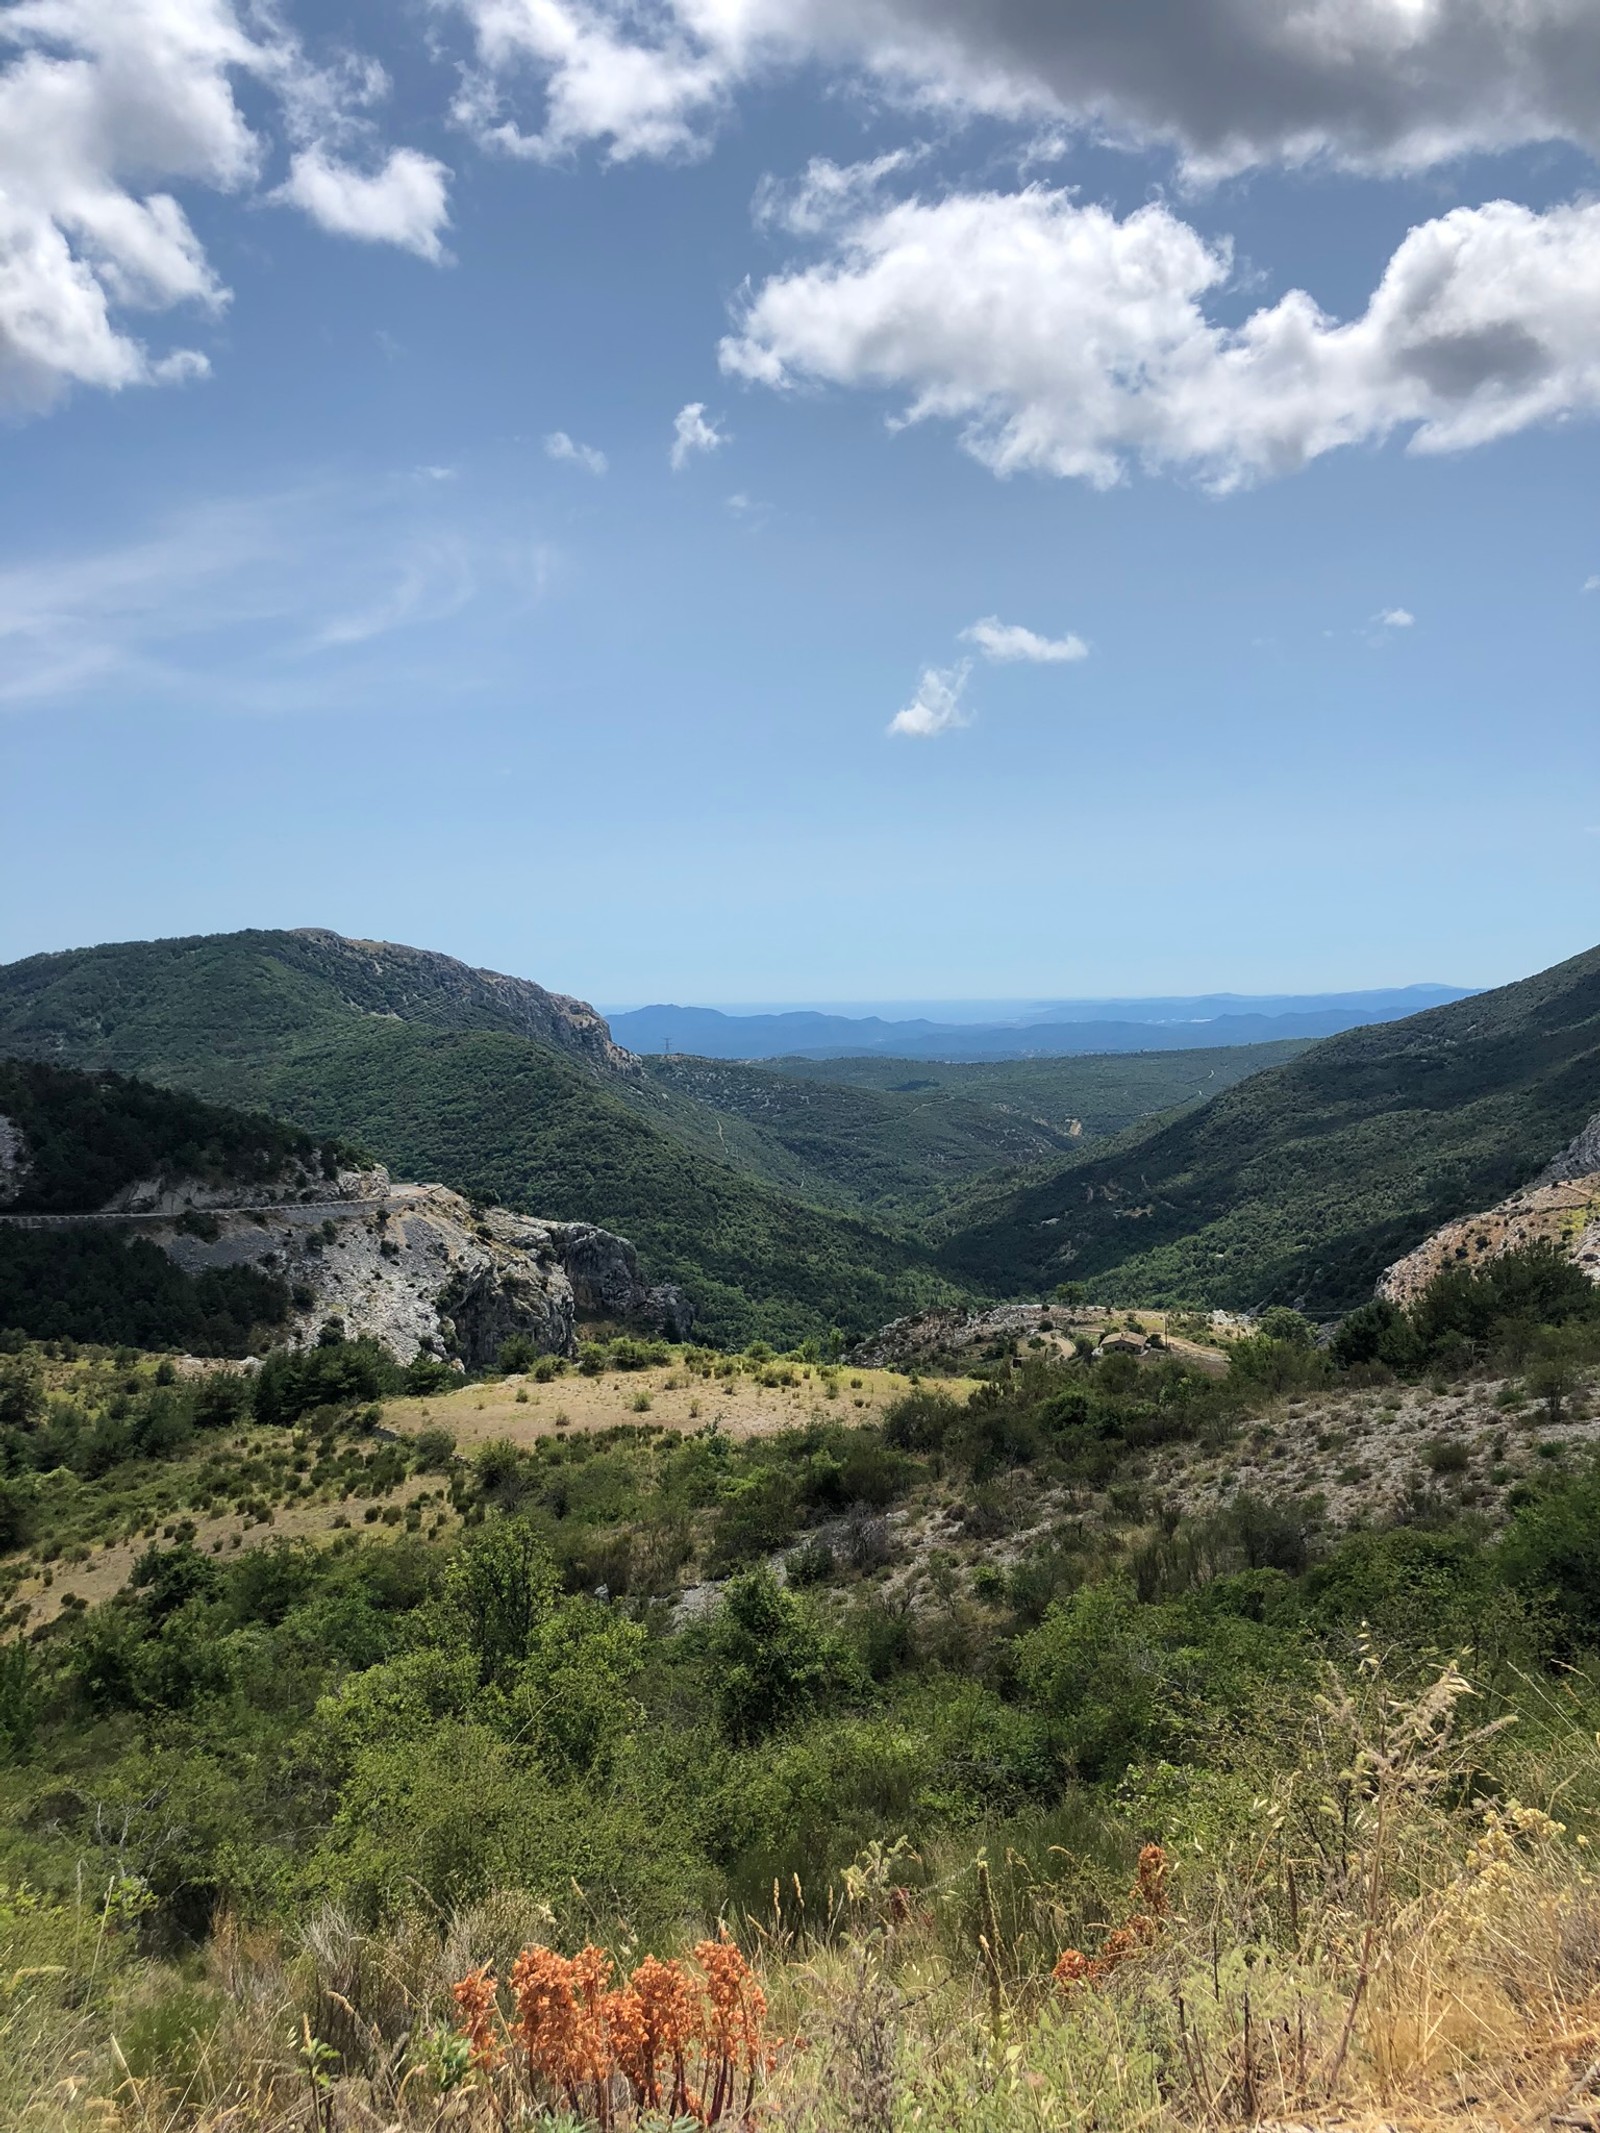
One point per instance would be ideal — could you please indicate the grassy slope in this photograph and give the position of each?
(491, 1112)
(1304, 1182)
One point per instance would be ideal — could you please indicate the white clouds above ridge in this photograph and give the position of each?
(104, 104)
(1384, 83)
(1065, 341)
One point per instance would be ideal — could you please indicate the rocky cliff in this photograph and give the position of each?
(419, 985)
(1561, 1207)
(416, 1267)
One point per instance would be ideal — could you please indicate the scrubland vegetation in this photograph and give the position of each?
(619, 1774)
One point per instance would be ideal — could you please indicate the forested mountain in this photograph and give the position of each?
(908, 1141)
(1302, 1183)
(794, 1197)
(488, 1084)
(783, 1204)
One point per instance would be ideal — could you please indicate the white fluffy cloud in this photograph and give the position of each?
(1395, 618)
(105, 105)
(1065, 341)
(1389, 83)
(1006, 641)
(404, 202)
(936, 707)
(694, 431)
(558, 445)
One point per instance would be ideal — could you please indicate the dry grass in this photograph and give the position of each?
(1358, 1941)
(520, 1408)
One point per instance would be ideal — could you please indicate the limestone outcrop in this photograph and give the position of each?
(1561, 1207)
(420, 1269)
(417, 1267)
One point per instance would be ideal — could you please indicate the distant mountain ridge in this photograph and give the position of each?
(1304, 1182)
(1060, 1029)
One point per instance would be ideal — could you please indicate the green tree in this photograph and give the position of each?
(771, 1659)
(497, 1591)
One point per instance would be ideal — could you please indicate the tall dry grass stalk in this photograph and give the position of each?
(1376, 1928)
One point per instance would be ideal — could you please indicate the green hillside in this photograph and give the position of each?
(892, 1156)
(423, 1061)
(918, 1137)
(1302, 1183)
(501, 1118)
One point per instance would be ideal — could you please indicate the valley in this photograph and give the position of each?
(784, 1205)
(898, 1537)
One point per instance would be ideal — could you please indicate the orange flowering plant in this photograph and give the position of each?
(690, 2041)
(1149, 1906)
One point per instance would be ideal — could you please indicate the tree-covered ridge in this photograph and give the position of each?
(1304, 1182)
(86, 1136)
(485, 1107)
(910, 1140)
(496, 1117)
(784, 1203)
(155, 1005)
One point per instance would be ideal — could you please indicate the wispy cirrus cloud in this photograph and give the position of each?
(1010, 641)
(936, 707)
(430, 580)
(567, 450)
(694, 432)
(235, 600)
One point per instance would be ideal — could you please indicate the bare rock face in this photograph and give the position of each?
(606, 1282)
(418, 1269)
(927, 1340)
(13, 1161)
(1579, 1159)
(1561, 1207)
(419, 985)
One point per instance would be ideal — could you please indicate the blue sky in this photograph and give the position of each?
(1190, 634)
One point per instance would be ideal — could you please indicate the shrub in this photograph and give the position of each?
(434, 1450)
(1446, 1455)
(341, 1374)
(919, 1421)
(428, 1373)
(770, 1659)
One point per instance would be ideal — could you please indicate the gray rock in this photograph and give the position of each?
(1579, 1159)
(607, 1283)
(13, 1160)
(420, 1269)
